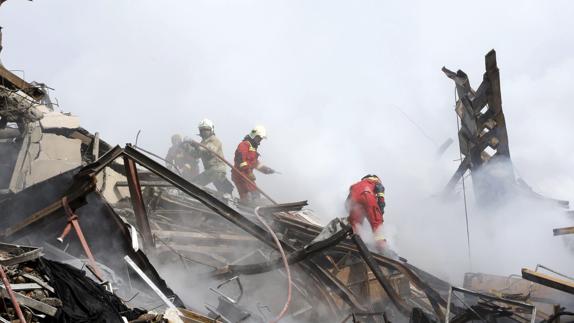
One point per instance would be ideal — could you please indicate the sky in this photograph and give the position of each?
(344, 88)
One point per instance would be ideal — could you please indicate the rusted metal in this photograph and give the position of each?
(292, 258)
(73, 222)
(12, 295)
(376, 270)
(138, 204)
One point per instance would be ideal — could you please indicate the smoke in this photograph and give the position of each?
(345, 89)
(507, 232)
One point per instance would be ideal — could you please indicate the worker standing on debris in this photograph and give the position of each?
(367, 200)
(179, 161)
(214, 169)
(246, 160)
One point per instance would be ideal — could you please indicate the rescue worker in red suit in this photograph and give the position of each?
(246, 160)
(367, 200)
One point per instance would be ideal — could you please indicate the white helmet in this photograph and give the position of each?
(258, 131)
(206, 124)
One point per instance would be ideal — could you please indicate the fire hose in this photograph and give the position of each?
(247, 179)
(285, 263)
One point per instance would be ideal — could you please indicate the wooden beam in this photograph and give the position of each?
(563, 231)
(547, 280)
(202, 236)
(31, 303)
(20, 84)
(25, 286)
(40, 282)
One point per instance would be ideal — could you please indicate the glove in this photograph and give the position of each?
(381, 205)
(252, 176)
(266, 170)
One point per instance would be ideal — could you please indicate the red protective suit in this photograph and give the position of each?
(366, 199)
(246, 160)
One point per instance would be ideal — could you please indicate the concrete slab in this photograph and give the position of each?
(56, 147)
(54, 119)
(44, 169)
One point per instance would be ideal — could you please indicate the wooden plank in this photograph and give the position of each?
(563, 231)
(495, 102)
(25, 286)
(24, 253)
(192, 317)
(201, 236)
(40, 282)
(31, 303)
(547, 280)
(20, 84)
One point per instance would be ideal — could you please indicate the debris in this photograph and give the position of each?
(7, 291)
(149, 282)
(547, 280)
(563, 231)
(56, 175)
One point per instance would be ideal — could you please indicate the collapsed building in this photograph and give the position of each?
(120, 223)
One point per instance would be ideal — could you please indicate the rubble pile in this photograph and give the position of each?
(108, 224)
(49, 291)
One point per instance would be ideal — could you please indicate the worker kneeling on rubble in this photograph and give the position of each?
(367, 199)
(210, 151)
(246, 160)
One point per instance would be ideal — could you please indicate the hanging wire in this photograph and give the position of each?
(422, 131)
(463, 190)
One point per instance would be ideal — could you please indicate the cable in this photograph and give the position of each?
(463, 191)
(285, 263)
(415, 124)
(182, 256)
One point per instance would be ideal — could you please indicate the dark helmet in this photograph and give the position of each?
(375, 177)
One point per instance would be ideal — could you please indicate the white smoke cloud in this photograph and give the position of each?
(332, 81)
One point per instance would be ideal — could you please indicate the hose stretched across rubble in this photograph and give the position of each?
(245, 178)
(285, 263)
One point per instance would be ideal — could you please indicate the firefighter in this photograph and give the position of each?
(367, 200)
(180, 161)
(214, 169)
(246, 160)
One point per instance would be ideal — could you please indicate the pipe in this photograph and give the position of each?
(12, 295)
(73, 220)
(158, 157)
